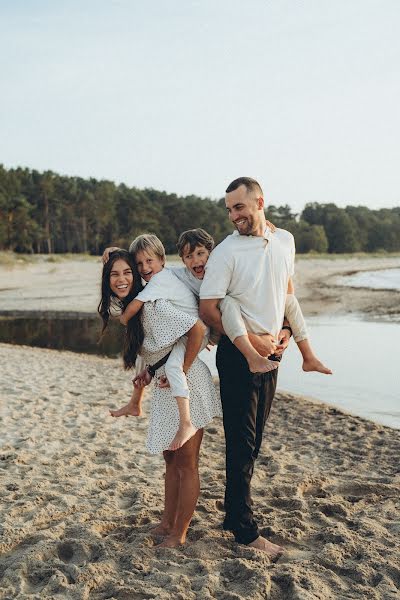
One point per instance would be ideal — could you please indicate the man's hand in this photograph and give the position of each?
(142, 379)
(284, 339)
(107, 252)
(265, 344)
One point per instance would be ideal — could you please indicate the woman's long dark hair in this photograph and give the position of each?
(134, 332)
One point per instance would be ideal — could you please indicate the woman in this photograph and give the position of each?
(153, 332)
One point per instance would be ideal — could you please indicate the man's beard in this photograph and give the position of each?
(247, 228)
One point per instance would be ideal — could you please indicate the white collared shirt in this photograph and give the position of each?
(254, 270)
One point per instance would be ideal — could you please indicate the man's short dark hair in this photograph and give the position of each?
(194, 238)
(250, 184)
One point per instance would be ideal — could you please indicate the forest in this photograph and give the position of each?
(50, 213)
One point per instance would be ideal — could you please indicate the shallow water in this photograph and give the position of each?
(362, 354)
(385, 279)
(364, 358)
(63, 333)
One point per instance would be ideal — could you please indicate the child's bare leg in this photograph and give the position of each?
(171, 491)
(133, 408)
(186, 429)
(257, 363)
(310, 361)
(235, 329)
(186, 463)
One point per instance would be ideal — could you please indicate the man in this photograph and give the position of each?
(255, 267)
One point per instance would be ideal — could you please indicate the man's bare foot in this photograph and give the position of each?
(313, 364)
(172, 541)
(262, 365)
(184, 433)
(273, 551)
(129, 410)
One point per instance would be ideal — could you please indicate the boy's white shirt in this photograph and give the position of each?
(187, 277)
(167, 285)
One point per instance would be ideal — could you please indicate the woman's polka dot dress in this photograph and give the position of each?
(163, 325)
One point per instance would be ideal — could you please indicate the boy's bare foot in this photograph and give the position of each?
(313, 364)
(273, 551)
(184, 433)
(262, 365)
(129, 410)
(172, 541)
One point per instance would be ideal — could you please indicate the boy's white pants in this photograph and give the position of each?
(174, 367)
(233, 324)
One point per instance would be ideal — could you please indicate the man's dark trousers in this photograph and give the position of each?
(246, 402)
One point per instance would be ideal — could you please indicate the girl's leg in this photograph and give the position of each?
(187, 467)
(171, 491)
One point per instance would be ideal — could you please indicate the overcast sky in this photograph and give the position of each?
(186, 95)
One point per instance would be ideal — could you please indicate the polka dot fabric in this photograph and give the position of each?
(164, 325)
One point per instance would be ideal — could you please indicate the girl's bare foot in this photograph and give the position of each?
(129, 410)
(172, 541)
(313, 364)
(184, 433)
(262, 365)
(273, 551)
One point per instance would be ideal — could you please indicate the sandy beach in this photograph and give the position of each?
(79, 492)
(55, 285)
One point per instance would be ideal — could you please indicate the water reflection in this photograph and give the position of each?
(63, 333)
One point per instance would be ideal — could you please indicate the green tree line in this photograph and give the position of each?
(50, 213)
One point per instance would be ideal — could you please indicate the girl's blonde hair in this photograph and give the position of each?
(148, 242)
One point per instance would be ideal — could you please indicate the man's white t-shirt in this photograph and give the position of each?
(167, 286)
(254, 270)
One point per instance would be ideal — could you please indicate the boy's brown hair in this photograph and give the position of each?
(194, 238)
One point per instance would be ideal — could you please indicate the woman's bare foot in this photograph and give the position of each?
(313, 364)
(184, 433)
(160, 529)
(273, 551)
(132, 409)
(172, 541)
(262, 364)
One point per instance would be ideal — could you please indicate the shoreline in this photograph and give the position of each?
(79, 494)
(47, 286)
